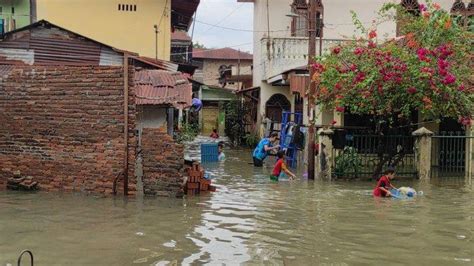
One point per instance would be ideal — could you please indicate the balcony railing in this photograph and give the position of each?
(282, 54)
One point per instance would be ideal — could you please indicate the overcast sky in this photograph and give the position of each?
(224, 13)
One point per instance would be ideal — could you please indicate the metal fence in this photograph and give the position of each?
(450, 155)
(361, 155)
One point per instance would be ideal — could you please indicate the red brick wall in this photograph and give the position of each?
(64, 127)
(163, 163)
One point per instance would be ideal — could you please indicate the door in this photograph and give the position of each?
(210, 115)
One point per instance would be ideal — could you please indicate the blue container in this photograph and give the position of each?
(209, 152)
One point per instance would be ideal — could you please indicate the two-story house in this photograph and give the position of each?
(280, 51)
(222, 72)
(143, 27)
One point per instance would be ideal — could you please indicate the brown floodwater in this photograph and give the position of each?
(249, 220)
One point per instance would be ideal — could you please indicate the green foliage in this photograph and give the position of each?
(348, 162)
(428, 69)
(187, 133)
(251, 140)
(199, 46)
(235, 113)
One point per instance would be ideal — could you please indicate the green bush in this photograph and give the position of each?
(252, 140)
(187, 133)
(348, 163)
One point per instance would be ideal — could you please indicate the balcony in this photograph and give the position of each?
(282, 54)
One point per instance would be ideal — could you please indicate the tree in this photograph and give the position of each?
(199, 46)
(428, 69)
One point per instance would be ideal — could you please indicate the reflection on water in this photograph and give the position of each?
(248, 220)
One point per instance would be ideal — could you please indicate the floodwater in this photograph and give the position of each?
(249, 220)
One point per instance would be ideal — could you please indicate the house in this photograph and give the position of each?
(280, 51)
(15, 14)
(181, 47)
(143, 27)
(72, 111)
(224, 67)
(221, 72)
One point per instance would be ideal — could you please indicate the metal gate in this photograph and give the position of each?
(360, 155)
(451, 155)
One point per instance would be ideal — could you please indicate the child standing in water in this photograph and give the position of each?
(221, 155)
(280, 168)
(384, 185)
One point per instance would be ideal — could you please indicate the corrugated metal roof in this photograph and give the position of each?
(5, 70)
(159, 87)
(223, 53)
(158, 63)
(43, 43)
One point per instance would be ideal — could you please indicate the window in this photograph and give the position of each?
(463, 15)
(300, 23)
(124, 7)
(458, 7)
(412, 7)
(275, 106)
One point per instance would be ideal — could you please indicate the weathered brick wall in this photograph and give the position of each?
(163, 163)
(64, 127)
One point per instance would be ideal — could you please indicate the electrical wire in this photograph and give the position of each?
(163, 14)
(255, 31)
(223, 19)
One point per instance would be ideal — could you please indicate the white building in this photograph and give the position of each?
(281, 47)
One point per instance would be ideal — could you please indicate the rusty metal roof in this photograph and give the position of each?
(157, 63)
(43, 43)
(5, 70)
(160, 87)
(222, 53)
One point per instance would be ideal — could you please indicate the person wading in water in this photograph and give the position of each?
(263, 149)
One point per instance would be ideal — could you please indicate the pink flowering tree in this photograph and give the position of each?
(427, 69)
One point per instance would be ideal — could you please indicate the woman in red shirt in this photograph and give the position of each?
(280, 167)
(384, 185)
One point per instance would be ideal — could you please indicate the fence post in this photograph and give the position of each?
(325, 164)
(423, 150)
(470, 153)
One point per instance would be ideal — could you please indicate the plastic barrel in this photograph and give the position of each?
(209, 152)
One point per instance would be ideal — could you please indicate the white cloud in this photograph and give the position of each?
(227, 14)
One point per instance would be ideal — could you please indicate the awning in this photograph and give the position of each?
(248, 90)
(299, 83)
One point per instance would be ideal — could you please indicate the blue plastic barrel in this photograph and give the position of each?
(209, 152)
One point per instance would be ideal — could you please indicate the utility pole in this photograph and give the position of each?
(313, 20)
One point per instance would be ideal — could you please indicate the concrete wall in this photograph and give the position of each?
(102, 21)
(64, 127)
(151, 116)
(211, 71)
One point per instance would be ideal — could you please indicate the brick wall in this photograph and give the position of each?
(64, 127)
(163, 163)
